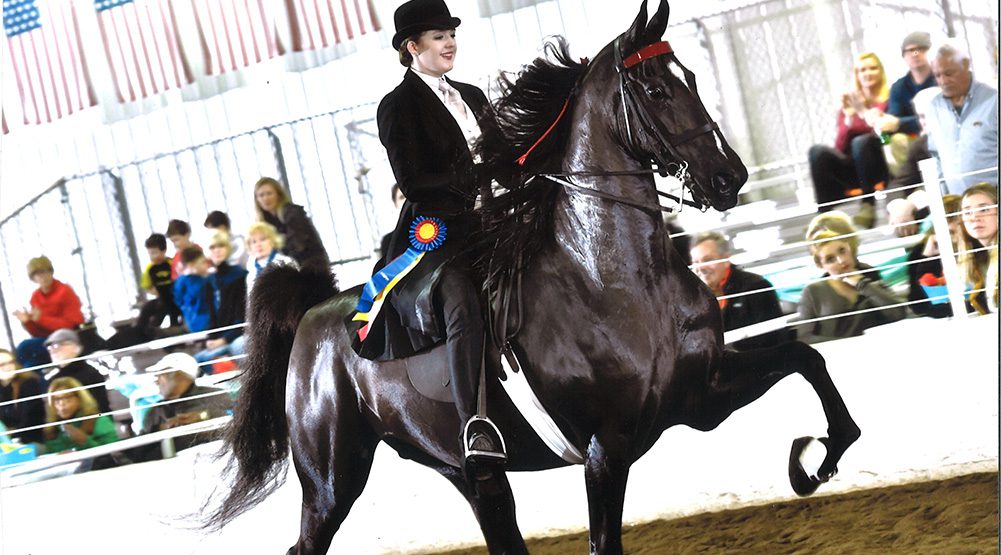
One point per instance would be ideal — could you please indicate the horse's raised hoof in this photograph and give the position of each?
(803, 483)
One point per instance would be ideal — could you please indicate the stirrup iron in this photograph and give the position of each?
(475, 453)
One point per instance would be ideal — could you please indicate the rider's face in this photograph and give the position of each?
(434, 52)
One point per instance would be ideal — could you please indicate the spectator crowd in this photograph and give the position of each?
(52, 397)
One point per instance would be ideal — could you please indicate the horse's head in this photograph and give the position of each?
(662, 119)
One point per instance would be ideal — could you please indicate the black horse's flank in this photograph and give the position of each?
(619, 340)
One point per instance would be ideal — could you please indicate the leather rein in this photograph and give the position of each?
(508, 296)
(668, 140)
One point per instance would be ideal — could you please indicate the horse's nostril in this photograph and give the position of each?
(723, 182)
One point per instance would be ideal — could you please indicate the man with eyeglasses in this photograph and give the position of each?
(900, 121)
(919, 77)
(64, 345)
(747, 298)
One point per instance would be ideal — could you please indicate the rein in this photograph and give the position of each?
(507, 311)
(667, 139)
(652, 209)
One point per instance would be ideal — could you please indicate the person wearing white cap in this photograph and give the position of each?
(175, 377)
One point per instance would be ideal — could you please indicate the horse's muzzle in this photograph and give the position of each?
(725, 186)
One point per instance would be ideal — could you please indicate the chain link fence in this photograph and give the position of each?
(93, 226)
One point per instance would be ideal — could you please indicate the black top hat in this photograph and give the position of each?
(416, 16)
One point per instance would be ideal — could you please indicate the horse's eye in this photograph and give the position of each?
(655, 92)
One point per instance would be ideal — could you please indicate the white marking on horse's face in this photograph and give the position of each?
(680, 74)
(677, 72)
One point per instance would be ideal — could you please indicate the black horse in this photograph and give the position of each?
(618, 338)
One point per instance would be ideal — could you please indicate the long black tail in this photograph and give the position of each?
(257, 439)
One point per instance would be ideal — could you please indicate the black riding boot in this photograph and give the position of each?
(480, 440)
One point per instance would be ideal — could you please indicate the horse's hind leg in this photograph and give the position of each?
(493, 504)
(745, 376)
(333, 449)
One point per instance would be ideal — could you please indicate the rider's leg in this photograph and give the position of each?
(464, 343)
(464, 338)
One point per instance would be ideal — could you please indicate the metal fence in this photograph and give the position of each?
(93, 226)
(770, 71)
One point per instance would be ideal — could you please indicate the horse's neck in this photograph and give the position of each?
(608, 242)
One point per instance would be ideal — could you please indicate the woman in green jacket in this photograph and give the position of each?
(67, 402)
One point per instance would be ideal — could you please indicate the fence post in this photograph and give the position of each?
(128, 238)
(953, 279)
(77, 246)
(167, 448)
(276, 149)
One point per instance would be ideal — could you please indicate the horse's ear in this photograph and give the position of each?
(658, 23)
(634, 37)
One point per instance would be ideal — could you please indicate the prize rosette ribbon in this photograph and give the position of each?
(426, 234)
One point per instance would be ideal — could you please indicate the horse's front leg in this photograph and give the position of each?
(489, 494)
(606, 471)
(743, 377)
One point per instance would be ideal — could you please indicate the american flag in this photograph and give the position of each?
(48, 62)
(318, 24)
(144, 51)
(235, 34)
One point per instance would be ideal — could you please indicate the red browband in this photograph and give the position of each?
(647, 52)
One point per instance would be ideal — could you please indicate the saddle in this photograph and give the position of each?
(428, 373)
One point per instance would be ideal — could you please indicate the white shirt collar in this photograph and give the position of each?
(430, 81)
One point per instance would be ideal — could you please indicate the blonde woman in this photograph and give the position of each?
(978, 248)
(264, 245)
(848, 287)
(67, 402)
(856, 160)
(302, 241)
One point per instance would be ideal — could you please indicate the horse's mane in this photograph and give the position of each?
(517, 224)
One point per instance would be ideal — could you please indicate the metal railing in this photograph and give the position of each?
(92, 225)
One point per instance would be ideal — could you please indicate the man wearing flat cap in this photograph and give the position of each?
(919, 77)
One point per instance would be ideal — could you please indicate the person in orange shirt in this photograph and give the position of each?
(54, 305)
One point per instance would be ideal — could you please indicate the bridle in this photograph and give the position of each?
(628, 93)
(508, 295)
(669, 141)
